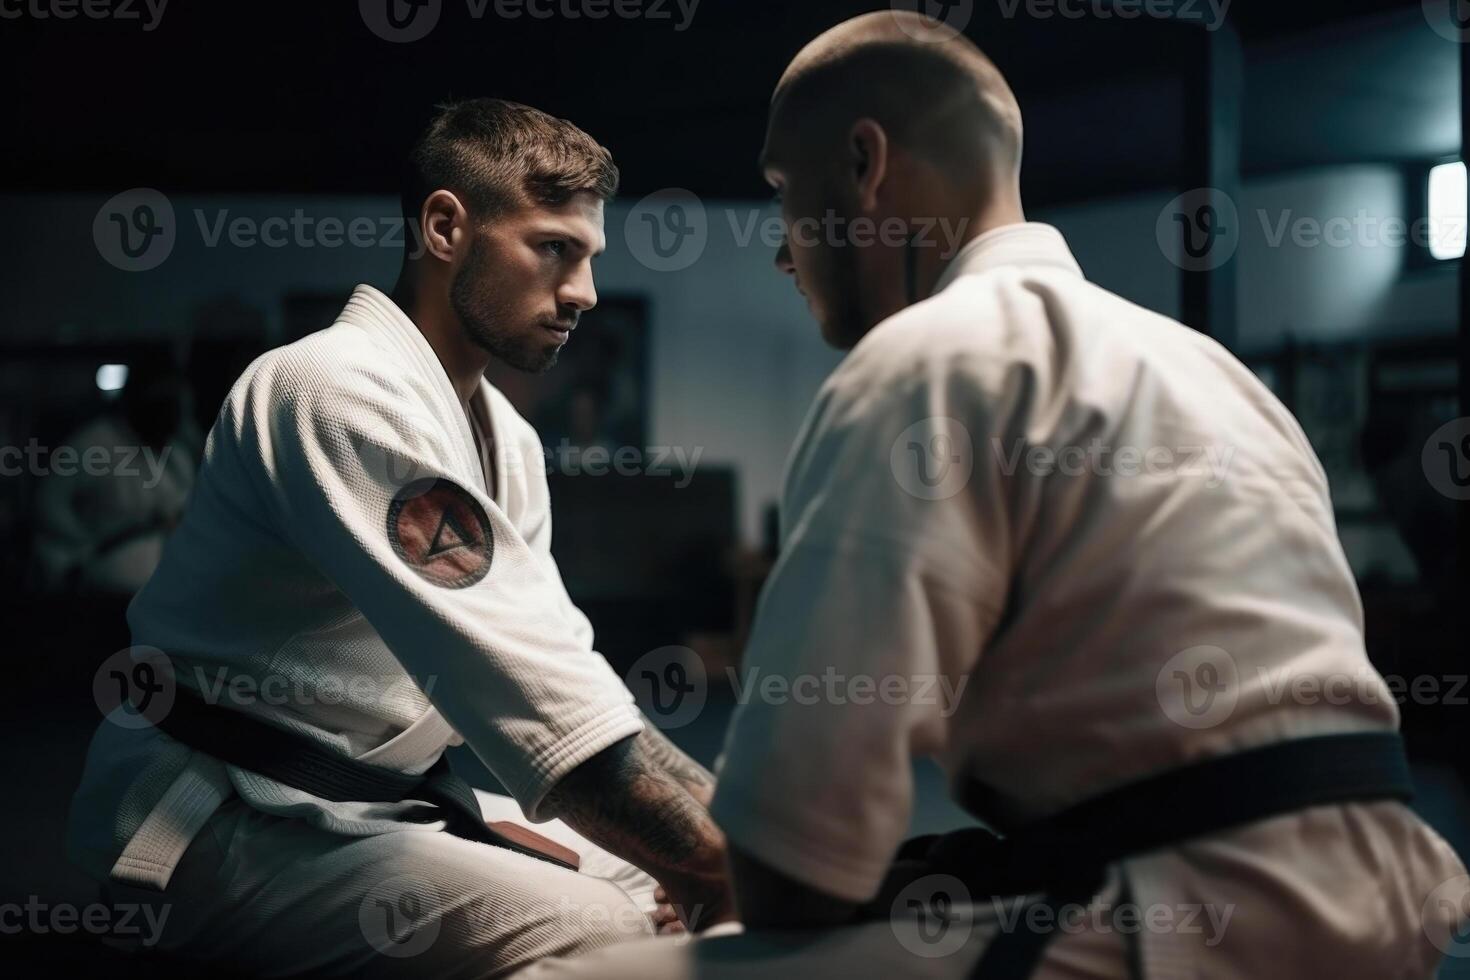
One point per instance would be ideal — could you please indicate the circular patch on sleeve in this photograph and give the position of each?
(441, 532)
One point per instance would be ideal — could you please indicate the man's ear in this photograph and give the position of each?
(868, 144)
(444, 223)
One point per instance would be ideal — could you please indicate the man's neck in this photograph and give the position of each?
(995, 216)
(464, 362)
(925, 266)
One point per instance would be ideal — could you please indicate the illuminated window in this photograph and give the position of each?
(1447, 211)
(112, 377)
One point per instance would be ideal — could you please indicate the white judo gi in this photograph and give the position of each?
(344, 570)
(1059, 543)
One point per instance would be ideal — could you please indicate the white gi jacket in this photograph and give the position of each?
(1060, 543)
(313, 572)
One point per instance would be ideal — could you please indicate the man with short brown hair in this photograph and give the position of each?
(363, 578)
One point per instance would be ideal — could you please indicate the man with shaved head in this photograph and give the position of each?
(869, 122)
(1073, 551)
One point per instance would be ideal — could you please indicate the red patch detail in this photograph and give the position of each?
(441, 532)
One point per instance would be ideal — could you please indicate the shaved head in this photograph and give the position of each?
(942, 99)
(873, 127)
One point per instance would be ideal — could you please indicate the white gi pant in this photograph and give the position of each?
(265, 895)
(1344, 892)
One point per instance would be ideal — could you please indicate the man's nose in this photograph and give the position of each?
(783, 258)
(579, 291)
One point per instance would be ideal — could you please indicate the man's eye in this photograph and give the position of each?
(555, 248)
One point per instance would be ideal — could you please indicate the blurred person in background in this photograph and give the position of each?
(105, 508)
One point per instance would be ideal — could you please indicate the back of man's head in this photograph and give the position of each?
(881, 124)
(939, 97)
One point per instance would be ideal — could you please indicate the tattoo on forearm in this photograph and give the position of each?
(626, 801)
(696, 778)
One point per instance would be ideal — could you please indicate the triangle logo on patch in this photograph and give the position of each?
(451, 536)
(442, 532)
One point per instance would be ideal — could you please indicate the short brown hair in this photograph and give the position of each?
(499, 156)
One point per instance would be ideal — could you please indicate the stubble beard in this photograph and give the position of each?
(486, 323)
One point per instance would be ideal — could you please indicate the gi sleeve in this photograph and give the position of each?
(538, 537)
(892, 575)
(361, 485)
(537, 526)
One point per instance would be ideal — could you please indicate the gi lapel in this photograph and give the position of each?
(489, 415)
(371, 309)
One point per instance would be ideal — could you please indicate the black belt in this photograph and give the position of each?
(1064, 858)
(296, 761)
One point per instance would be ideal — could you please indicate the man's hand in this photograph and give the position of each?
(707, 904)
(626, 800)
(666, 920)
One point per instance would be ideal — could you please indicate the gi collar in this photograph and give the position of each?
(1029, 244)
(374, 310)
